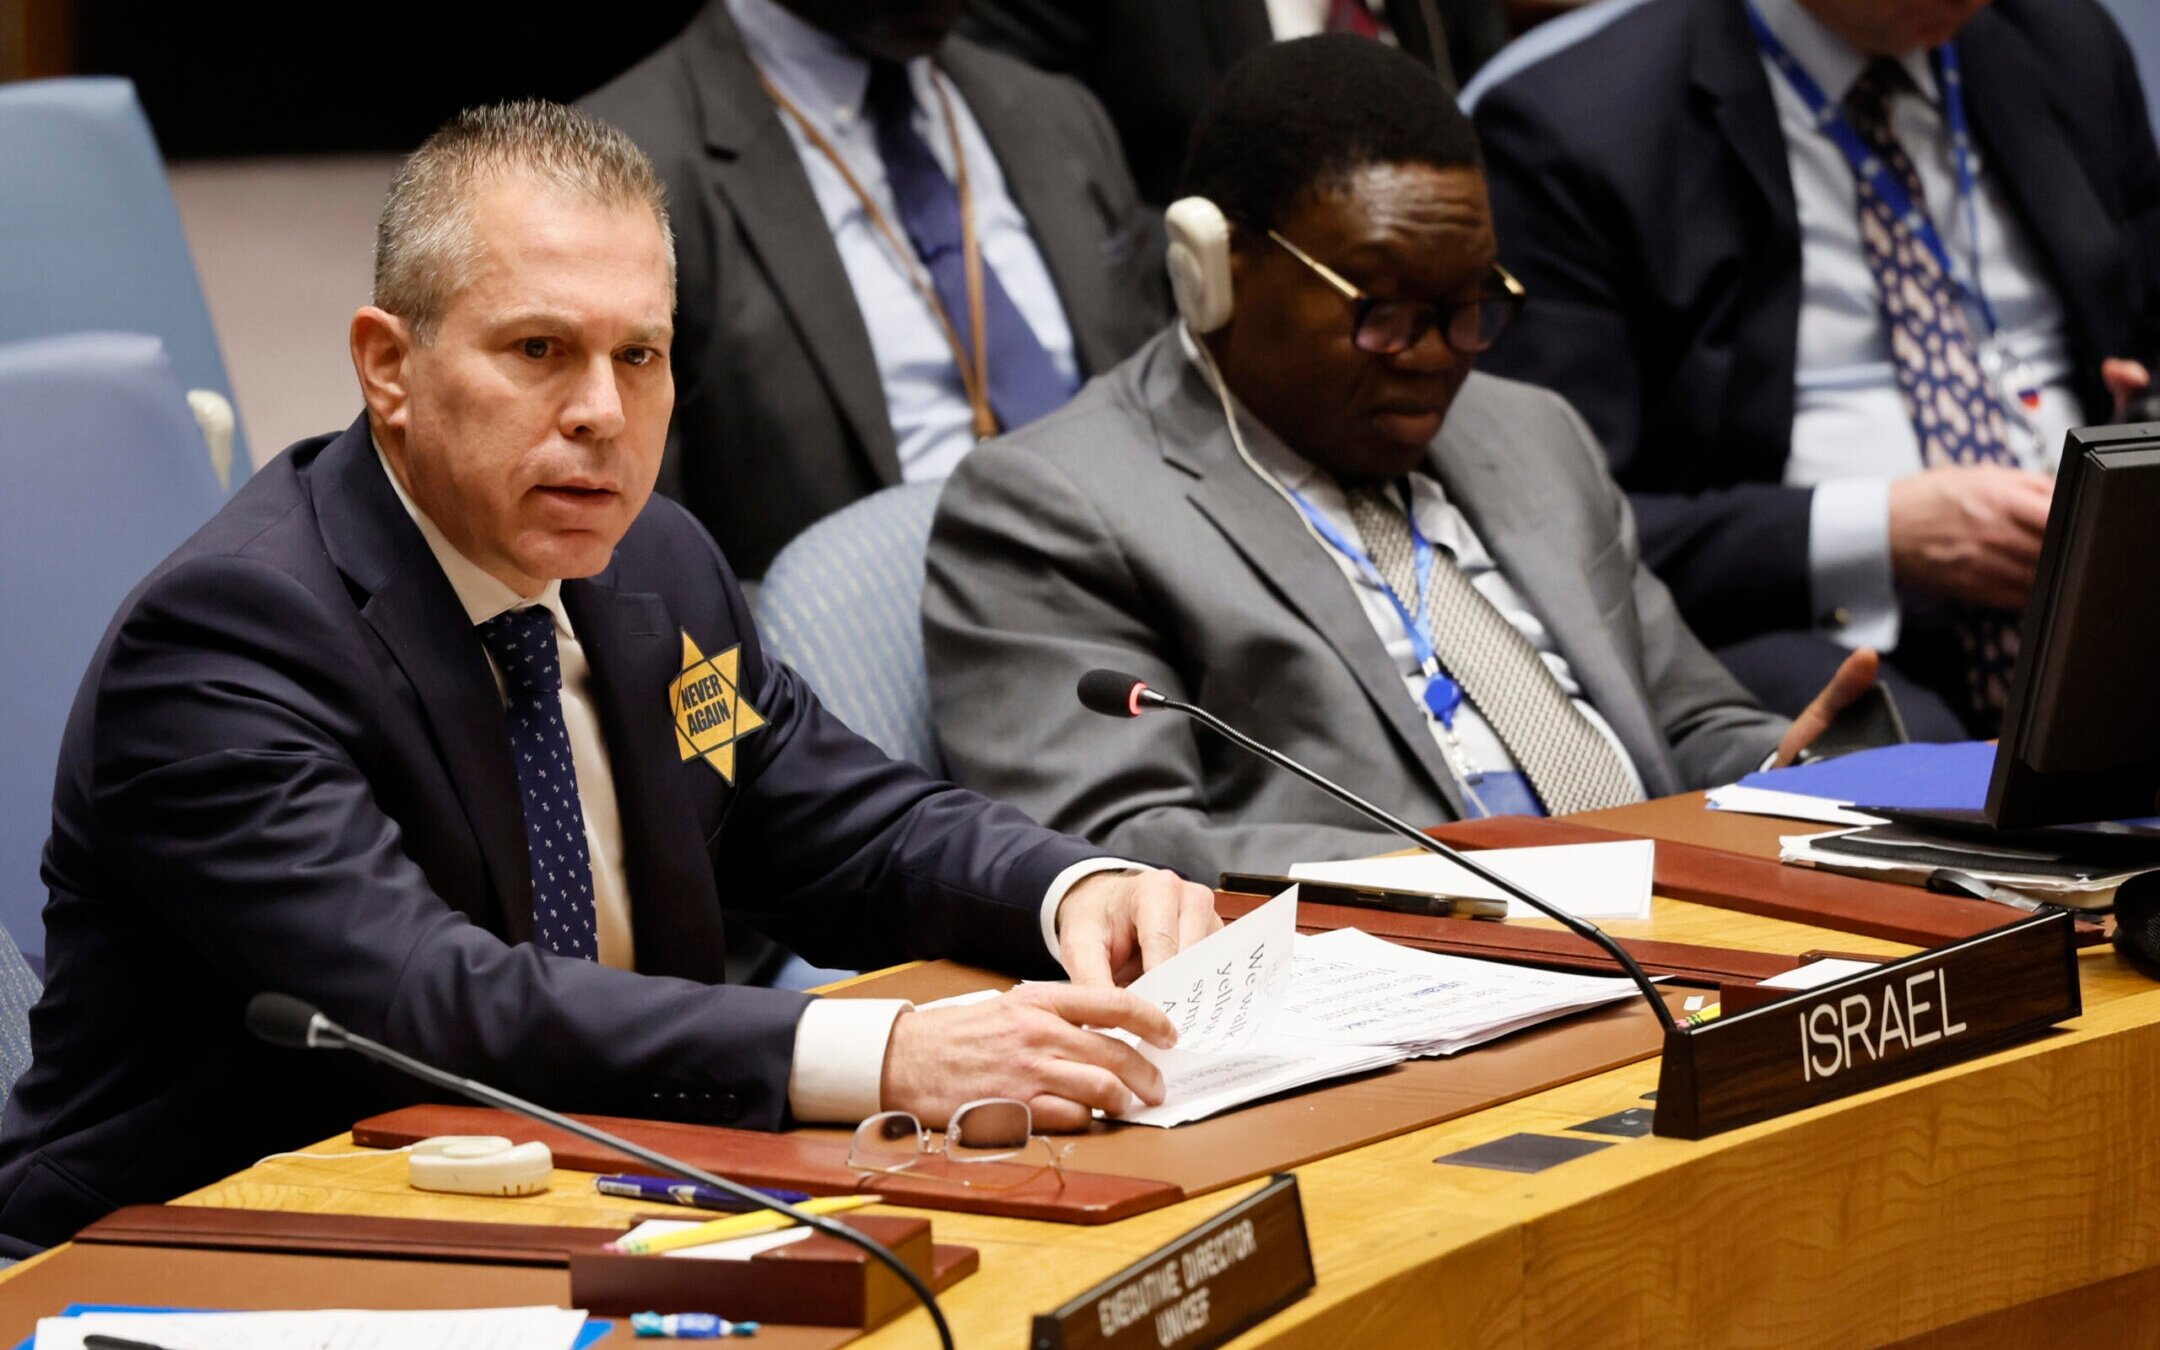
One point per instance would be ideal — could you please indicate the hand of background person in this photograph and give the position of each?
(1114, 925)
(1969, 532)
(2125, 379)
(1032, 1044)
(1854, 677)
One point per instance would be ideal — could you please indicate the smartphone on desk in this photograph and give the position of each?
(1365, 897)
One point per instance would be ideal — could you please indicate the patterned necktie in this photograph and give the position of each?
(1572, 767)
(1952, 404)
(523, 644)
(1024, 382)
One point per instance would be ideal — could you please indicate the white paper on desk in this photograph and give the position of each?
(1590, 881)
(1353, 988)
(1357, 1003)
(1754, 801)
(731, 1249)
(1198, 1086)
(340, 1329)
(1224, 989)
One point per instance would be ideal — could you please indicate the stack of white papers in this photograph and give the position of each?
(1755, 801)
(1590, 881)
(1261, 1010)
(342, 1329)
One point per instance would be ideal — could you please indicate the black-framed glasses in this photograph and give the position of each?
(1389, 327)
(994, 1130)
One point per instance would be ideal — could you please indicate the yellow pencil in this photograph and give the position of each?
(738, 1225)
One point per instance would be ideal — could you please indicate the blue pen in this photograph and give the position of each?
(689, 1326)
(667, 1190)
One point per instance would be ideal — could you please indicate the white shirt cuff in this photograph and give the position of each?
(1854, 596)
(1064, 882)
(840, 1058)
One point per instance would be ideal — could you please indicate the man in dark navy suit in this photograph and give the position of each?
(1780, 368)
(444, 726)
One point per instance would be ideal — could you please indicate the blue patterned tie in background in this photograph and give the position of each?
(1024, 381)
(523, 644)
(1952, 403)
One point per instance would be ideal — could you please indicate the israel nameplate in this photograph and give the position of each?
(1892, 1021)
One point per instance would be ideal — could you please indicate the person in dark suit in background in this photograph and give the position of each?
(446, 726)
(1834, 433)
(834, 167)
(1153, 63)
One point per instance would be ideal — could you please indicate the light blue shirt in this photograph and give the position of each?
(1851, 434)
(827, 80)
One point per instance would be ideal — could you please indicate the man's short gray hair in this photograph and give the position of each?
(425, 246)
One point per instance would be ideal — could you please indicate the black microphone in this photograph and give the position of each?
(286, 1021)
(1116, 694)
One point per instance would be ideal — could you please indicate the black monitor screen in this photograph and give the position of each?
(2081, 736)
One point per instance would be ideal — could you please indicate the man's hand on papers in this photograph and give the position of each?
(1032, 1044)
(1854, 678)
(1113, 926)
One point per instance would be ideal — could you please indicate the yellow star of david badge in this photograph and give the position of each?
(710, 714)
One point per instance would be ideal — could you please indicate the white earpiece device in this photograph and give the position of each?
(479, 1164)
(1199, 262)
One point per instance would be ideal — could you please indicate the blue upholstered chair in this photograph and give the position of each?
(106, 474)
(842, 604)
(19, 988)
(93, 238)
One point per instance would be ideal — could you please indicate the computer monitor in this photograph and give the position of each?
(2081, 735)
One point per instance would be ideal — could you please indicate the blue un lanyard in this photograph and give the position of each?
(1866, 164)
(1442, 695)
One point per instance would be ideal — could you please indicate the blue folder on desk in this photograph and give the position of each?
(1921, 776)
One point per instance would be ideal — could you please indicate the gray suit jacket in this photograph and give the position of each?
(1124, 531)
(779, 414)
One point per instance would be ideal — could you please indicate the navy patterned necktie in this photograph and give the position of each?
(1952, 403)
(1024, 382)
(523, 644)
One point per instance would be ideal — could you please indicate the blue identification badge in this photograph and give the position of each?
(1443, 696)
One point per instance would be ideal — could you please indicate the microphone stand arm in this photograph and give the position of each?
(327, 1034)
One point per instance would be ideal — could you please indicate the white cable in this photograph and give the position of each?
(1229, 412)
(1237, 439)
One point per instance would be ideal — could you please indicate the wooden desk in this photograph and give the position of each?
(2013, 1201)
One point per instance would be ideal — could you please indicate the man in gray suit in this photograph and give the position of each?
(832, 168)
(1225, 516)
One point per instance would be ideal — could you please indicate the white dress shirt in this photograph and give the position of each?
(1851, 434)
(839, 1043)
(931, 419)
(1443, 523)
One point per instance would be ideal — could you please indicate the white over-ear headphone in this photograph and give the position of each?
(1199, 265)
(1199, 262)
